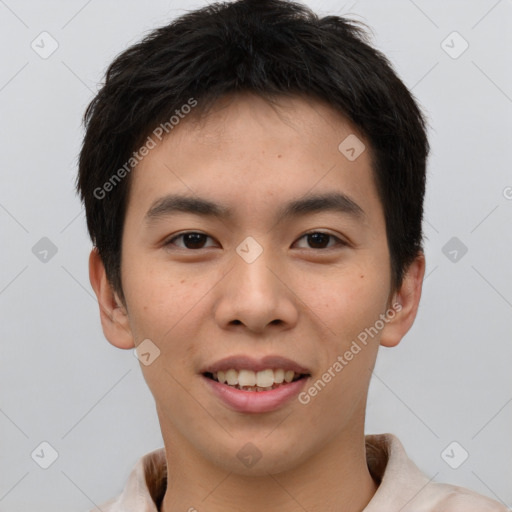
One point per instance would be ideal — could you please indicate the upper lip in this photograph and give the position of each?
(244, 362)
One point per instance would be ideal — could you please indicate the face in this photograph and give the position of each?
(248, 272)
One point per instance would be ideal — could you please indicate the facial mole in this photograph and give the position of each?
(183, 280)
(279, 156)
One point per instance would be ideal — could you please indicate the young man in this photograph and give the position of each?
(253, 178)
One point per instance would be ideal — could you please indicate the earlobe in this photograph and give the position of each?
(113, 314)
(405, 304)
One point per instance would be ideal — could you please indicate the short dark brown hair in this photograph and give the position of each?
(271, 48)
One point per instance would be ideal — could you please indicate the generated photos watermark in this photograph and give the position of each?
(156, 136)
(354, 349)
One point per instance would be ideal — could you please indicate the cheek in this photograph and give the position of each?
(154, 296)
(347, 302)
(166, 301)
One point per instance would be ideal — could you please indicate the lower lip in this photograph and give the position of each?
(256, 401)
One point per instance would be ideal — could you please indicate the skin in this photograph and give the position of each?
(303, 301)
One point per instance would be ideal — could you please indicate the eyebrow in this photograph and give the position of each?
(315, 203)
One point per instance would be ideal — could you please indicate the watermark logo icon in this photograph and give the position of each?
(454, 249)
(44, 250)
(44, 45)
(454, 455)
(249, 455)
(146, 352)
(44, 455)
(352, 147)
(454, 45)
(249, 250)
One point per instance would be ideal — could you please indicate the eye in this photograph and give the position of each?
(194, 240)
(191, 240)
(319, 239)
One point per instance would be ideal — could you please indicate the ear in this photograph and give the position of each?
(113, 314)
(404, 304)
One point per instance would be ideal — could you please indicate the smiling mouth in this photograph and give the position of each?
(248, 380)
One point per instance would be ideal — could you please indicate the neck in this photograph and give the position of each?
(335, 478)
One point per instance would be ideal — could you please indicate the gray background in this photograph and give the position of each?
(63, 383)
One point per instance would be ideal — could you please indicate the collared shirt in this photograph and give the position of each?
(402, 486)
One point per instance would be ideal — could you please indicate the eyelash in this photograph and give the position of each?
(340, 242)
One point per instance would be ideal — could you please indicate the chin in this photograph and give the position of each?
(259, 457)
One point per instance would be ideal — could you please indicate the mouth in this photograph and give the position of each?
(248, 385)
(249, 380)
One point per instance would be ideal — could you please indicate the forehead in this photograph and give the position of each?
(297, 123)
(248, 151)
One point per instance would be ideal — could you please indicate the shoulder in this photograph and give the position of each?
(403, 486)
(450, 498)
(145, 487)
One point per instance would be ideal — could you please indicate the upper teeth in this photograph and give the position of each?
(263, 379)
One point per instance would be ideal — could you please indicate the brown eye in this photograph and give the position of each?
(191, 240)
(320, 240)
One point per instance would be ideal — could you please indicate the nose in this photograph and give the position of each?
(256, 295)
